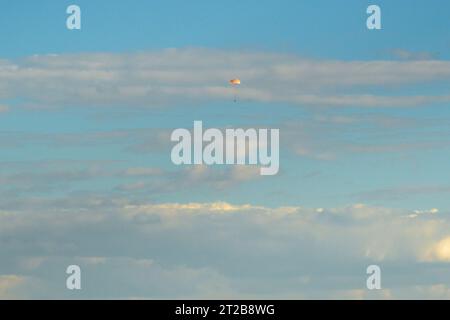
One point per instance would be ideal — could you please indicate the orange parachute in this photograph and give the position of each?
(235, 83)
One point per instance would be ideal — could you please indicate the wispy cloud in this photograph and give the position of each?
(412, 55)
(12, 286)
(200, 75)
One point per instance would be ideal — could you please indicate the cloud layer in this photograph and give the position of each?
(221, 250)
(198, 75)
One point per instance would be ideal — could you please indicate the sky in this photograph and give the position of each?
(86, 176)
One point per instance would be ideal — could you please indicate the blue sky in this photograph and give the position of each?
(320, 29)
(85, 120)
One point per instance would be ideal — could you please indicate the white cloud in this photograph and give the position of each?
(412, 55)
(200, 75)
(238, 250)
(143, 171)
(440, 251)
(194, 176)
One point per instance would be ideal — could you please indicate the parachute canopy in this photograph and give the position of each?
(235, 81)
